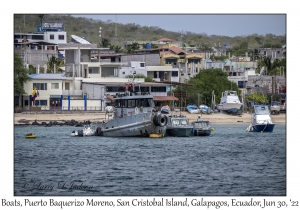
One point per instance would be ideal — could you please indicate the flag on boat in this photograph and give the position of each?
(34, 94)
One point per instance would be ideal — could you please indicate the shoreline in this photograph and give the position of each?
(81, 117)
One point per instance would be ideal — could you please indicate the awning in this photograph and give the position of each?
(165, 98)
(110, 97)
(155, 98)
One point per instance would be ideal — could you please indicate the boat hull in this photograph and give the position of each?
(205, 132)
(194, 111)
(179, 131)
(262, 128)
(132, 126)
(229, 106)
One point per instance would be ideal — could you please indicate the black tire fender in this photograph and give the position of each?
(162, 120)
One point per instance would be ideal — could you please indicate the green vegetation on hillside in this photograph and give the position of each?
(115, 34)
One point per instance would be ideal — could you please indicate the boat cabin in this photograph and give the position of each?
(177, 121)
(261, 114)
(132, 105)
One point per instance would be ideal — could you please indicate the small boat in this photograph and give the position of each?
(230, 102)
(178, 126)
(193, 109)
(156, 135)
(201, 127)
(74, 133)
(30, 136)
(205, 109)
(275, 107)
(86, 131)
(165, 109)
(261, 120)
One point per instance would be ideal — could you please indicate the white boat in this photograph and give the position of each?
(86, 131)
(193, 109)
(261, 120)
(74, 133)
(275, 107)
(205, 109)
(230, 102)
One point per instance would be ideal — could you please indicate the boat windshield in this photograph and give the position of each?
(184, 122)
(132, 103)
(175, 122)
(261, 110)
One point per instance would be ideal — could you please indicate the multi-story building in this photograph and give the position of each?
(36, 48)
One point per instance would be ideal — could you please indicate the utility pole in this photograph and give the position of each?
(100, 36)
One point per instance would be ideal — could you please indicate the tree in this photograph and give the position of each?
(204, 83)
(106, 42)
(133, 47)
(20, 75)
(52, 61)
(116, 48)
(256, 98)
(31, 69)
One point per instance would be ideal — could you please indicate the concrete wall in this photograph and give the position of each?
(149, 59)
(93, 91)
(36, 57)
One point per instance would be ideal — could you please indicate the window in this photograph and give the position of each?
(40, 102)
(174, 73)
(131, 103)
(158, 89)
(143, 89)
(278, 52)
(61, 37)
(142, 64)
(67, 86)
(38, 37)
(51, 36)
(123, 72)
(94, 70)
(40, 86)
(115, 89)
(54, 85)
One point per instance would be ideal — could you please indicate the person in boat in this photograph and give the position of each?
(199, 118)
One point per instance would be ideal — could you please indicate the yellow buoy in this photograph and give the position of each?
(156, 135)
(30, 136)
(212, 129)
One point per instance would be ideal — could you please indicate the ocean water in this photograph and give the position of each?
(228, 162)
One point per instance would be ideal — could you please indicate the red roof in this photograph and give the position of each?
(164, 40)
(167, 53)
(110, 97)
(176, 50)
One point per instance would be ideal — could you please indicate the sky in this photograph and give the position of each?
(210, 24)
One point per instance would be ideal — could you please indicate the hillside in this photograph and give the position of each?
(119, 33)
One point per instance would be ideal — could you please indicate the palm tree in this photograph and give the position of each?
(52, 61)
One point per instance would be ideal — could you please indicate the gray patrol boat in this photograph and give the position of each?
(133, 115)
